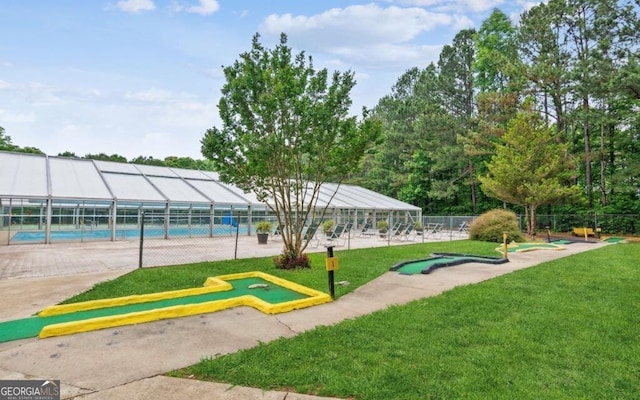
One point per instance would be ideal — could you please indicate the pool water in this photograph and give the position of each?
(105, 234)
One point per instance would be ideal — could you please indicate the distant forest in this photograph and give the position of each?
(578, 61)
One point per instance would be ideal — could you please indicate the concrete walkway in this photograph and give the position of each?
(128, 362)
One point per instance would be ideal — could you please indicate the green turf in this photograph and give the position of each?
(416, 267)
(31, 327)
(412, 268)
(357, 266)
(566, 329)
(526, 246)
(562, 241)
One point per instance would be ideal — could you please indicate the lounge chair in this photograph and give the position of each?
(310, 233)
(463, 228)
(366, 231)
(347, 229)
(392, 233)
(334, 237)
(434, 230)
(409, 232)
(277, 234)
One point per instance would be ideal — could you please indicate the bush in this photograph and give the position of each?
(288, 260)
(327, 226)
(263, 227)
(382, 226)
(490, 226)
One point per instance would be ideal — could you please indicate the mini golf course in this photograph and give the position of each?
(264, 292)
(440, 260)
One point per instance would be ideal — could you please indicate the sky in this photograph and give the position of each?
(143, 77)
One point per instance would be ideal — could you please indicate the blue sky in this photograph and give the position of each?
(143, 77)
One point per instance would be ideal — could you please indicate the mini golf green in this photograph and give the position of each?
(266, 291)
(562, 241)
(522, 247)
(440, 260)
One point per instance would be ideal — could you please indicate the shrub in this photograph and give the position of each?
(382, 226)
(490, 226)
(288, 260)
(327, 226)
(263, 227)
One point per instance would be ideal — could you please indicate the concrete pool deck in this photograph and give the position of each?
(129, 362)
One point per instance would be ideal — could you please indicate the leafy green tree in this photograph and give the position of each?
(530, 168)
(68, 154)
(385, 167)
(458, 87)
(286, 131)
(497, 60)
(6, 144)
(546, 59)
(147, 161)
(5, 141)
(181, 162)
(106, 157)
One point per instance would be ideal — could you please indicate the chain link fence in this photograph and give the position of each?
(610, 224)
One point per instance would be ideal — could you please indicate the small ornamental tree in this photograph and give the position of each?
(286, 130)
(530, 167)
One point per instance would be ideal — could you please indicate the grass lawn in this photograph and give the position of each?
(566, 329)
(356, 266)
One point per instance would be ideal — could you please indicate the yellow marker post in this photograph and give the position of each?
(586, 235)
(504, 243)
(332, 264)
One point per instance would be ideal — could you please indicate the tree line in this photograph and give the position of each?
(6, 144)
(576, 62)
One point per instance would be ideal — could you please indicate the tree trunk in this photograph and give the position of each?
(588, 181)
(603, 167)
(531, 223)
(472, 184)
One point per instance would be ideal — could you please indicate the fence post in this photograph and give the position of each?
(141, 241)
(235, 254)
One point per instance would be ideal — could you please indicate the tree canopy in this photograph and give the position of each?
(287, 130)
(530, 168)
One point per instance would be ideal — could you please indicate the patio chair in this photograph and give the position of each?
(277, 234)
(463, 228)
(366, 231)
(399, 231)
(434, 230)
(409, 232)
(334, 237)
(310, 233)
(391, 233)
(347, 229)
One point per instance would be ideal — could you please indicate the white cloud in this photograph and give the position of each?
(389, 55)
(4, 84)
(152, 95)
(7, 116)
(358, 24)
(205, 7)
(365, 34)
(458, 6)
(135, 6)
(462, 22)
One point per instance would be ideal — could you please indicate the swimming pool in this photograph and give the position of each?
(130, 233)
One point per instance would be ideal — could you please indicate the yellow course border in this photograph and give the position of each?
(212, 284)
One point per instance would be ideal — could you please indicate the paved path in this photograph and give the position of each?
(128, 362)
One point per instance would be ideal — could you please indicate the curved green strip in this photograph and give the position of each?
(31, 327)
